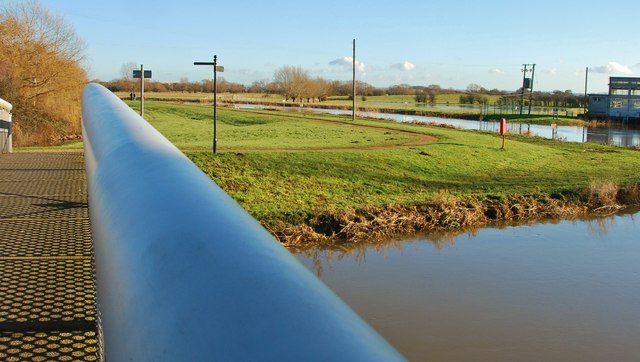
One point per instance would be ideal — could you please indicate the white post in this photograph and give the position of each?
(6, 139)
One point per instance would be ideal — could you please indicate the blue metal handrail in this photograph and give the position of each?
(184, 273)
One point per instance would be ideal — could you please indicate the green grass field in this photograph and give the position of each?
(190, 127)
(348, 165)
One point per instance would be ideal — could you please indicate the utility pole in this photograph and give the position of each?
(353, 113)
(527, 83)
(533, 72)
(216, 68)
(524, 80)
(586, 96)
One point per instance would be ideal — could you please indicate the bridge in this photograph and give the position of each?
(182, 272)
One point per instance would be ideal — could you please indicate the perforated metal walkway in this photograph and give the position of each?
(47, 291)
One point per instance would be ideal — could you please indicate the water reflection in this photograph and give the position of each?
(560, 290)
(323, 257)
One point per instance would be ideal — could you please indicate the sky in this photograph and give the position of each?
(450, 43)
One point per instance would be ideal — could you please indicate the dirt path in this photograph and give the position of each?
(418, 139)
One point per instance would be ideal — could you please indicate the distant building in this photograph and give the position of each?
(622, 102)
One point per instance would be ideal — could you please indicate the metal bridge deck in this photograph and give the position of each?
(47, 287)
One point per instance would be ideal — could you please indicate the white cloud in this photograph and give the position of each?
(346, 63)
(406, 66)
(496, 71)
(612, 68)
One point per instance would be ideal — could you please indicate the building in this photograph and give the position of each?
(622, 101)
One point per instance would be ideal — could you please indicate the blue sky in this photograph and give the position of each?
(451, 43)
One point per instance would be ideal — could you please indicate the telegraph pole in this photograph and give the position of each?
(353, 115)
(586, 96)
(533, 72)
(527, 83)
(216, 68)
(524, 79)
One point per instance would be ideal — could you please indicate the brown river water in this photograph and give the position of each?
(556, 291)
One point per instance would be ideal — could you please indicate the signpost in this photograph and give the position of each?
(216, 68)
(139, 74)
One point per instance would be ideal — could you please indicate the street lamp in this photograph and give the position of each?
(216, 68)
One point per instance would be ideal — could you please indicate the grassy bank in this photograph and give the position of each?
(321, 178)
(368, 179)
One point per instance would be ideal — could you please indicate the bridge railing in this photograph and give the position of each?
(6, 139)
(184, 273)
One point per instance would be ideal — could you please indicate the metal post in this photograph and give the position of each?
(533, 72)
(524, 76)
(215, 104)
(216, 69)
(353, 114)
(142, 90)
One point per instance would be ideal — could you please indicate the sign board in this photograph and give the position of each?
(219, 68)
(527, 83)
(147, 74)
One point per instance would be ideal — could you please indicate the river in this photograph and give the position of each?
(623, 136)
(555, 291)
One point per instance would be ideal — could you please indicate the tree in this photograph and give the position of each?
(292, 82)
(401, 89)
(126, 71)
(474, 88)
(421, 96)
(42, 75)
(259, 86)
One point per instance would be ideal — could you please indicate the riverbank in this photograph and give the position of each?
(448, 214)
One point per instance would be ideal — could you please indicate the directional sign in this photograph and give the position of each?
(147, 74)
(216, 68)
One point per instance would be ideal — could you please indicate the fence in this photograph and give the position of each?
(184, 273)
(6, 139)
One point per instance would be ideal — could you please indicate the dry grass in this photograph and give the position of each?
(446, 214)
(602, 195)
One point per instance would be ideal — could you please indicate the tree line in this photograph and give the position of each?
(41, 73)
(297, 85)
(293, 83)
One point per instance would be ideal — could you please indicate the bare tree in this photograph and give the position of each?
(126, 71)
(41, 58)
(292, 82)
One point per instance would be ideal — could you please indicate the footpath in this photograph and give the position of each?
(47, 284)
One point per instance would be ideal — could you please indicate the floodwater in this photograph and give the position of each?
(623, 136)
(556, 291)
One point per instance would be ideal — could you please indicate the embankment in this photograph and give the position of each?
(447, 214)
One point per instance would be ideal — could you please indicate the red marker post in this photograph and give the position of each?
(503, 129)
